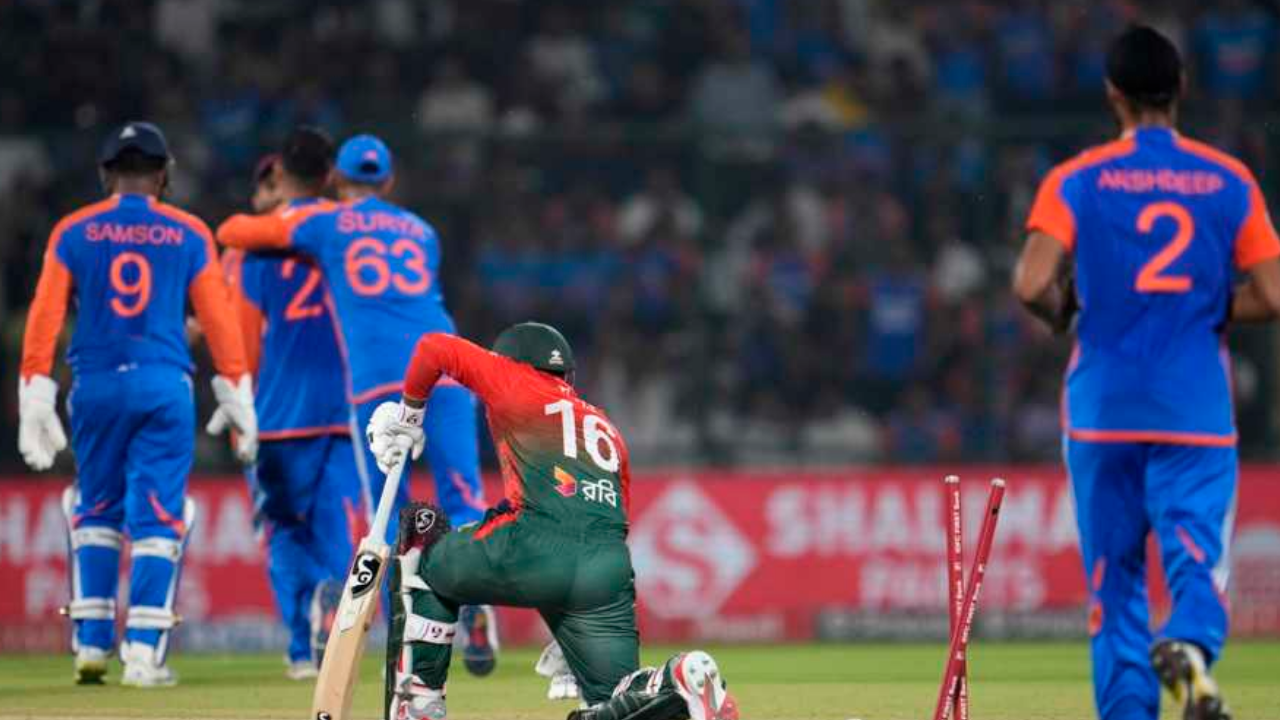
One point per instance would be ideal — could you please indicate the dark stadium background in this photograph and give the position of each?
(779, 232)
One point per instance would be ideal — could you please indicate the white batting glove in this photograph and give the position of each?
(235, 410)
(393, 428)
(40, 435)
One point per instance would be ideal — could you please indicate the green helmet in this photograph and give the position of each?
(536, 344)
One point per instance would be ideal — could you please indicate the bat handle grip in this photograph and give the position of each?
(378, 530)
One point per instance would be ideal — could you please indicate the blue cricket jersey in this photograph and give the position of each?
(380, 263)
(130, 263)
(1158, 225)
(300, 390)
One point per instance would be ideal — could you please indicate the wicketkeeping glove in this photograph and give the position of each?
(40, 435)
(390, 422)
(235, 410)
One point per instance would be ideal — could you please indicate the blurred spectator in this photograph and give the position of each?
(918, 432)
(22, 157)
(645, 95)
(1025, 51)
(735, 99)
(454, 102)
(894, 38)
(562, 59)
(814, 263)
(1235, 47)
(661, 201)
(897, 298)
(960, 65)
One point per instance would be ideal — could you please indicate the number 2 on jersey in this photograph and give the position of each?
(596, 433)
(1151, 279)
(133, 295)
(299, 308)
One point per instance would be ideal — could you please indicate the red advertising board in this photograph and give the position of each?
(718, 555)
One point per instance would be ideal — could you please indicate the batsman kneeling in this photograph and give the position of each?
(556, 543)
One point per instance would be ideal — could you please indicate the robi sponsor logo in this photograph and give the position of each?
(689, 556)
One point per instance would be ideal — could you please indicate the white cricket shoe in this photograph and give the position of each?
(551, 664)
(300, 670)
(141, 669)
(563, 687)
(91, 665)
(698, 682)
(423, 704)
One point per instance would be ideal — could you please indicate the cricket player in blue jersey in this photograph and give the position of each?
(306, 485)
(129, 263)
(1158, 226)
(380, 263)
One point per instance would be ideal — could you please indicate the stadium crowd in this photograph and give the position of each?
(777, 230)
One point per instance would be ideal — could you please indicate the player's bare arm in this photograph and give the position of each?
(1258, 298)
(1040, 283)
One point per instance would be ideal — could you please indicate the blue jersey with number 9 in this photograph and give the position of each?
(1158, 225)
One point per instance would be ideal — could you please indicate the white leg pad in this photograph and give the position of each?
(92, 609)
(143, 617)
(421, 629)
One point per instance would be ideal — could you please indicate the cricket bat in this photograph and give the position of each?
(336, 684)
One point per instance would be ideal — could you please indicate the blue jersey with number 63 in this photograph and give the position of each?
(380, 263)
(1158, 225)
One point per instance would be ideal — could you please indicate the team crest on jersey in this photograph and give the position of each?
(556, 358)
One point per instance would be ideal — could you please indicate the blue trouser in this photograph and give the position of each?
(307, 493)
(1186, 495)
(133, 433)
(452, 448)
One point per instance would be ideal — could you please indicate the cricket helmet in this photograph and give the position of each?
(536, 344)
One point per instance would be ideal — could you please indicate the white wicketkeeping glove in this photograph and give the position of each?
(235, 410)
(392, 421)
(40, 434)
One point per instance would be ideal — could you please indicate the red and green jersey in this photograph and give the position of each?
(562, 460)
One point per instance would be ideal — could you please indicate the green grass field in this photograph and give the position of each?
(1016, 681)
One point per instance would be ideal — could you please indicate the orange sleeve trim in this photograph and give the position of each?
(1257, 239)
(1154, 436)
(48, 311)
(46, 316)
(255, 232)
(1214, 155)
(377, 391)
(496, 522)
(77, 216)
(173, 213)
(1050, 213)
(306, 432)
(272, 231)
(252, 322)
(210, 298)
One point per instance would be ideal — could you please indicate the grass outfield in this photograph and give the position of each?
(1017, 681)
